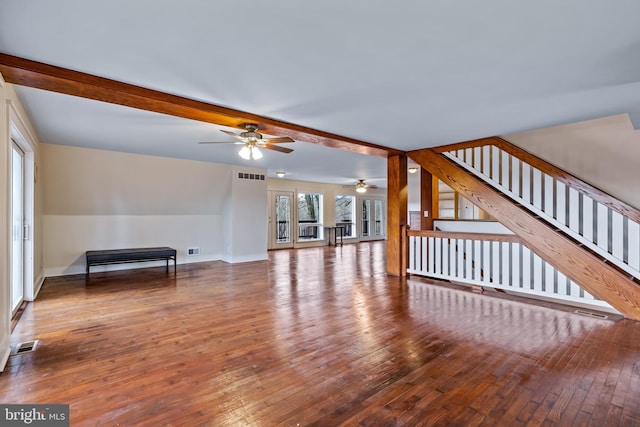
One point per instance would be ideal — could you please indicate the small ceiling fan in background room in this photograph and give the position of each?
(252, 142)
(361, 187)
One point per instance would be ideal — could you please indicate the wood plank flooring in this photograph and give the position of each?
(316, 337)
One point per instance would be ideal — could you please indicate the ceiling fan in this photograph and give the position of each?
(361, 187)
(252, 141)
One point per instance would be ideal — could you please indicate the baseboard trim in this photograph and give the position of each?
(81, 269)
(5, 358)
(39, 284)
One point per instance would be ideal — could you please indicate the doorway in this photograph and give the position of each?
(18, 227)
(372, 219)
(281, 219)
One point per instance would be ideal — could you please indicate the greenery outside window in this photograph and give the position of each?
(310, 217)
(346, 214)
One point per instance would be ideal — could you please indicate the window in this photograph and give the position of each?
(366, 217)
(346, 215)
(283, 218)
(310, 216)
(379, 218)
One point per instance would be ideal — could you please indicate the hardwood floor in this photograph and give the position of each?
(316, 337)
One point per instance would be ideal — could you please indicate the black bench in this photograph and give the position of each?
(118, 256)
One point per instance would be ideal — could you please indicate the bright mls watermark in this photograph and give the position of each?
(34, 415)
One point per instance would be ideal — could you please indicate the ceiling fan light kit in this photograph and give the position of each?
(245, 153)
(361, 187)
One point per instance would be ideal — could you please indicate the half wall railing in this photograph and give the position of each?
(498, 261)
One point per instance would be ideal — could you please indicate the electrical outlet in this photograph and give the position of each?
(193, 251)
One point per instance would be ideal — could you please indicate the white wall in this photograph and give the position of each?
(245, 229)
(14, 122)
(603, 152)
(95, 199)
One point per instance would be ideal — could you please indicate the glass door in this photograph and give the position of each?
(365, 223)
(372, 219)
(17, 208)
(281, 220)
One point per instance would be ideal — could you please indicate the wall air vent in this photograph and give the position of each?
(25, 347)
(592, 314)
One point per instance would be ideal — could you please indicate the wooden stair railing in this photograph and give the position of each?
(581, 264)
(606, 225)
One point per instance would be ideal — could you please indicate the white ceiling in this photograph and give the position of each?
(403, 74)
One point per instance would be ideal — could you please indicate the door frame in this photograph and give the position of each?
(23, 138)
(273, 244)
(18, 233)
(371, 236)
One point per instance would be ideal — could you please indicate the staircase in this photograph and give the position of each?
(583, 233)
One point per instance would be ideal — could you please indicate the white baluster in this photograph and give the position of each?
(549, 280)
(537, 273)
(437, 258)
(486, 261)
(515, 176)
(468, 273)
(477, 159)
(430, 256)
(537, 188)
(477, 260)
(549, 197)
(561, 202)
(617, 235)
(587, 218)
(574, 211)
(515, 265)
(453, 257)
(425, 245)
(412, 253)
(506, 173)
(486, 160)
(495, 164)
(633, 234)
(526, 268)
(505, 264)
(603, 226)
(446, 270)
(526, 183)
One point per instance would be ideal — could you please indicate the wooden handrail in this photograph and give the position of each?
(493, 237)
(566, 178)
(494, 140)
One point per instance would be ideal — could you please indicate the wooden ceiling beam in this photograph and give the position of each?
(25, 72)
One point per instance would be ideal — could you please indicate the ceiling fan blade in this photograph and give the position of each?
(235, 135)
(220, 142)
(277, 148)
(278, 140)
